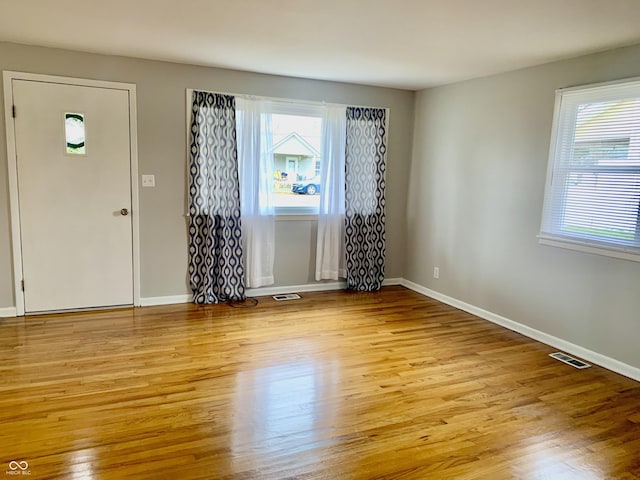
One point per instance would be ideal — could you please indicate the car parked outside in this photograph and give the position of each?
(307, 187)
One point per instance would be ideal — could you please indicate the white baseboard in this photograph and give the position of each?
(168, 300)
(568, 347)
(6, 312)
(264, 291)
(308, 287)
(251, 292)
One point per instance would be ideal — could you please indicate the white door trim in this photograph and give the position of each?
(12, 162)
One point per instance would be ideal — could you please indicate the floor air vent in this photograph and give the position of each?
(563, 357)
(286, 296)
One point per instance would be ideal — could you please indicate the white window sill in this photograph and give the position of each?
(621, 253)
(293, 217)
(296, 213)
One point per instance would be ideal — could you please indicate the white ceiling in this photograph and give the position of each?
(409, 44)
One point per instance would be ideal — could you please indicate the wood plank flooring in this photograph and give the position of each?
(389, 385)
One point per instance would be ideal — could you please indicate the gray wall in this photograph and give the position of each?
(475, 203)
(161, 139)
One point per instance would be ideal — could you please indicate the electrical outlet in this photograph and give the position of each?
(436, 272)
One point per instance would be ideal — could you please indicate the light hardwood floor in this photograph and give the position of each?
(390, 385)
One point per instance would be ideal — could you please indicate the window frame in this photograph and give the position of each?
(549, 229)
(291, 107)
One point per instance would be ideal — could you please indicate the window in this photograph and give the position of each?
(296, 131)
(592, 196)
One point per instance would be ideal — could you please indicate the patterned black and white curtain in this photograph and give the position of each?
(215, 245)
(365, 167)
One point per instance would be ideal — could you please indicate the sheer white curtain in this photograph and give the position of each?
(330, 251)
(255, 165)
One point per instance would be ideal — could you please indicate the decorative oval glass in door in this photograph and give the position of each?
(74, 130)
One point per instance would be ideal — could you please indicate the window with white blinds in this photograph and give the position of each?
(592, 196)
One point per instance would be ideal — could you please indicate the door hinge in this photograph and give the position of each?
(13, 111)
(22, 285)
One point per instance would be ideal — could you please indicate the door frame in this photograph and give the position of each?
(12, 162)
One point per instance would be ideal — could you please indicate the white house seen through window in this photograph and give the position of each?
(296, 161)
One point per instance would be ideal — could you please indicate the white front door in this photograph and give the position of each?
(75, 202)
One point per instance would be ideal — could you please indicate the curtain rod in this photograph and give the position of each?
(284, 100)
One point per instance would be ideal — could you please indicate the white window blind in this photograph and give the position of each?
(592, 196)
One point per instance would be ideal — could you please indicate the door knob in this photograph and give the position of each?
(124, 212)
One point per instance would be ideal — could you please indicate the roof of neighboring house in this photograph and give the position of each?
(294, 144)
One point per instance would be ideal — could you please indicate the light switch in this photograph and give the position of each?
(148, 180)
